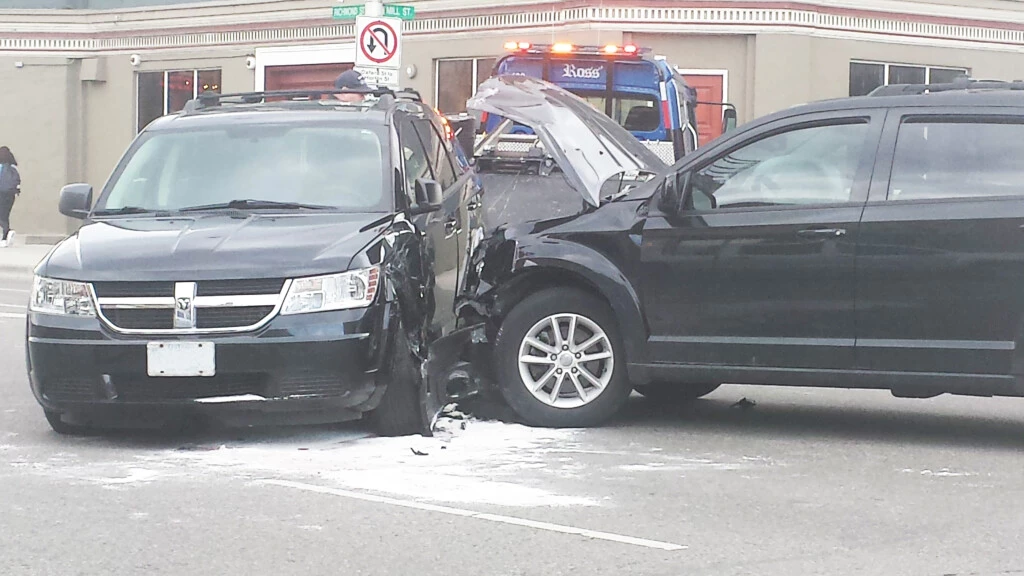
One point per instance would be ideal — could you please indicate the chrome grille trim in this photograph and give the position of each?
(168, 303)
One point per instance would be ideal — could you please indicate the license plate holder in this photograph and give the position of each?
(181, 359)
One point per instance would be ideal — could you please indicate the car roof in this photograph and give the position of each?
(266, 115)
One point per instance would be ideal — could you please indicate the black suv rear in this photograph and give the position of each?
(276, 252)
(873, 242)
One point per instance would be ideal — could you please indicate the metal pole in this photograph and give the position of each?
(374, 8)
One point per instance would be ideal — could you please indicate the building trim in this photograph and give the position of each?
(723, 18)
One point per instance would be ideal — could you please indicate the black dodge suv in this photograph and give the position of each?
(276, 252)
(873, 242)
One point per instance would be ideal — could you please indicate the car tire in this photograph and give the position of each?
(63, 428)
(672, 393)
(399, 412)
(579, 401)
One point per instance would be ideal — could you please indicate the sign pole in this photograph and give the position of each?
(375, 8)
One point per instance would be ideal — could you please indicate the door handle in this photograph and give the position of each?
(818, 232)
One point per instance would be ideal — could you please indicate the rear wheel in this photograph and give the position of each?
(559, 360)
(675, 393)
(400, 411)
(63, 428)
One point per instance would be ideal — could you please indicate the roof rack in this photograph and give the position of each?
(208, 100)
(961, 84)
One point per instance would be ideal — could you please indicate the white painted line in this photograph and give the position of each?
(14, 290)
(19, 306)
(501, 519)
(12, 316)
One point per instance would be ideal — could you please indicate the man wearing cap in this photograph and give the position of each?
(352, 82)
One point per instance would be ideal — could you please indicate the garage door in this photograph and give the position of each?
(709, 118)
(303, 76)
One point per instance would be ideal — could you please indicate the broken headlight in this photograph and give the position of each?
(61, 297)
(355, 289)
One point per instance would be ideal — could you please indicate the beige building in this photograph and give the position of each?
(78, 79)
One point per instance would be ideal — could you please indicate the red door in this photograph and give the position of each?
(709, 118)
(303, 76)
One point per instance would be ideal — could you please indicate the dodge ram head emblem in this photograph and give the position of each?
(184, 305)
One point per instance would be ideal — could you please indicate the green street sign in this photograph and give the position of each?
(347, 12)
(399, 11)
(390, 11)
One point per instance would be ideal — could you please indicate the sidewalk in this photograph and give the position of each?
(22, 257)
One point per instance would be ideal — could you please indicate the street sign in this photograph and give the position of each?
(399, 11)
(348, 12)
(379, 41)
(390, 11)
(379, 76)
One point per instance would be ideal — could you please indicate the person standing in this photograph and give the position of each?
(10, 187)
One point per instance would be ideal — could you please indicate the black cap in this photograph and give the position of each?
(351, 80)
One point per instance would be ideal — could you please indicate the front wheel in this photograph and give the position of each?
(559, 360)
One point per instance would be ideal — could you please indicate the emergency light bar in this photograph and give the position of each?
(567, 48)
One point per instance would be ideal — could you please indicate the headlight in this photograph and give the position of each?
(61, 297)
(355, 289)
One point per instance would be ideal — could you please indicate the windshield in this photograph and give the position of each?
(634, 112)
(335, 166)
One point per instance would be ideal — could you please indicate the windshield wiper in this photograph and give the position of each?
(247, 204)
(131, 210)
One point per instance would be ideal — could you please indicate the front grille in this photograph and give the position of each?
(141, 319)
(133, 289)
(146, 389)
(70, 389)
(231, 317)
(309, 384)
(256, 286)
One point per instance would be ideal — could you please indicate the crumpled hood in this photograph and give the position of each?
(211, 246)
(589, 147)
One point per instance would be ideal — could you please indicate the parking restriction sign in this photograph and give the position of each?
(380, 42)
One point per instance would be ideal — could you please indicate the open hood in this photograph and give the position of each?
(588, 146)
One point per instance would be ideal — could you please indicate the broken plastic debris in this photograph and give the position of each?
(744, 404)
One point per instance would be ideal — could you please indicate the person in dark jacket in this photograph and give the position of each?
(10, 187)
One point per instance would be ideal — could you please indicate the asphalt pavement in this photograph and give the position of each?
(807, 481)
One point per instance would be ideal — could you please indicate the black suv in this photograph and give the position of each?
(873, 242)
(271, 252)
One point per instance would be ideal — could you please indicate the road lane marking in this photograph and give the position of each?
(19, 291)
(19, 306)
(12, 316)
(498, 518)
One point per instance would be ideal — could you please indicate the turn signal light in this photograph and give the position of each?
(561, 48)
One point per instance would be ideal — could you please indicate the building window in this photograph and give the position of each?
(456, 80)
(866, 76)
(163, 93)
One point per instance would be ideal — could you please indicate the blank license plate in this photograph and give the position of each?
(181, 359)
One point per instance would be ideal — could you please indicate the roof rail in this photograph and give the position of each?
(961, 84)
(212, 99)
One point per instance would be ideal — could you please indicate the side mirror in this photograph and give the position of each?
(75, 200)
(673, 197)
(729, 119)
(428, 196)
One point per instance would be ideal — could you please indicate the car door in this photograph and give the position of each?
(446, 224)
(757, 269)
(941, 261)
(440, 251)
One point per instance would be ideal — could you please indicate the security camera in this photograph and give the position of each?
(135, 59)
(250, 63)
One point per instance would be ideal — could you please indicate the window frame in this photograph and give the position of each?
(882, 181)
(887, 65)
(476, 80)
(876, 121)
(409, 120)
(166, 88)
(442, 151)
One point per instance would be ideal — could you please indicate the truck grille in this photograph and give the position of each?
(173, 307)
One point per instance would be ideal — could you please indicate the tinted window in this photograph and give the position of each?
(339, 166)
(414, 157)
(815, 165)
(444, 173)
(865, 77)
(937, 159)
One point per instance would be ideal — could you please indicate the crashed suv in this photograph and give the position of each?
(870, 242)
(262, 253)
